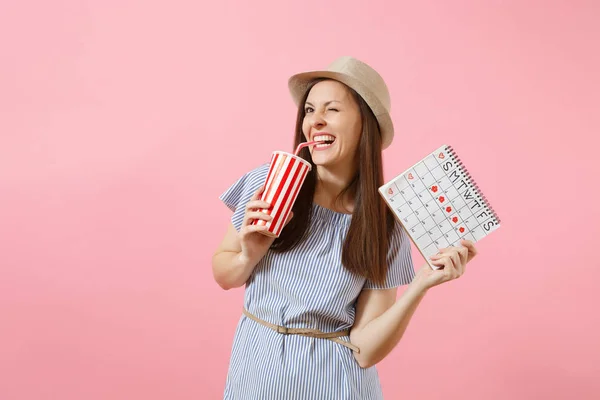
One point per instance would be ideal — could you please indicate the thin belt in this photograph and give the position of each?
(333, 336)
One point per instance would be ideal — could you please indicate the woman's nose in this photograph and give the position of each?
(317, 120)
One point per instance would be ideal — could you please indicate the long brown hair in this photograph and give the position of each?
(366, 245)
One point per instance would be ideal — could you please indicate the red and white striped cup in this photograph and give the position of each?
(286, 175)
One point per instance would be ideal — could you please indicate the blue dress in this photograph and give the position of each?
(306, 287)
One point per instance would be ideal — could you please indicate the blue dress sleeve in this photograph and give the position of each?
(238, 194)
(399, 260)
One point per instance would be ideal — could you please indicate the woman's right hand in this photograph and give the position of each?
(253, 243)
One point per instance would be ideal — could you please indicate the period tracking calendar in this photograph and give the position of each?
(438, 203)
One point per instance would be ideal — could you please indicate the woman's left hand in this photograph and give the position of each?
(453, 262)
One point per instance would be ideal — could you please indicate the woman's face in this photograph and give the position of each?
(332, 114)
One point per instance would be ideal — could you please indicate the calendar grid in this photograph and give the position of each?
(460, 211)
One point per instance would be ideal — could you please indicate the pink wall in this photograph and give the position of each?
(115, 118)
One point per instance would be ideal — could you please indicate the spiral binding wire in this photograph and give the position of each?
(472, 183)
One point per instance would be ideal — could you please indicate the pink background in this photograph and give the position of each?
(117, 120)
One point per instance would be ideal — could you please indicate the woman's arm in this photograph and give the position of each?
(239, 252)
(381, 320)
(237, 255)
(229, 269)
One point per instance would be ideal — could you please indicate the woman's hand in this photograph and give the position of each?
(254, 244)
(453, 261)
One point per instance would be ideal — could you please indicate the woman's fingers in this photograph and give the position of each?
(471, 247)
(257, 204)
(446, 265)
(257, 193)
(254, 228)
(442, 252)
(254, 207)
(453, 260)
(463, 252)
(447, 261)
(252, 216)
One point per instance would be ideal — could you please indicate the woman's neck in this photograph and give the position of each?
(330, 185)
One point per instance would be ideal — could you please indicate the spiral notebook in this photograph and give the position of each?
(438, 203)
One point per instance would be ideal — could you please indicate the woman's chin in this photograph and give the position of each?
(322, 161)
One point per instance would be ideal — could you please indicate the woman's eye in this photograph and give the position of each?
(308, 110)
(334, 109)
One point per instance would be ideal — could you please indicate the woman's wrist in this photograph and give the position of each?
(418, 285)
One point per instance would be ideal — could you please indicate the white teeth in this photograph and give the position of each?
(324, 137)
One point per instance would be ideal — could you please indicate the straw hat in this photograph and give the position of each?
(360, 77)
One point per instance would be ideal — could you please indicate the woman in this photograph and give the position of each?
(320, 307)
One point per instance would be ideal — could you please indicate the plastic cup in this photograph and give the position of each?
(286, 175)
